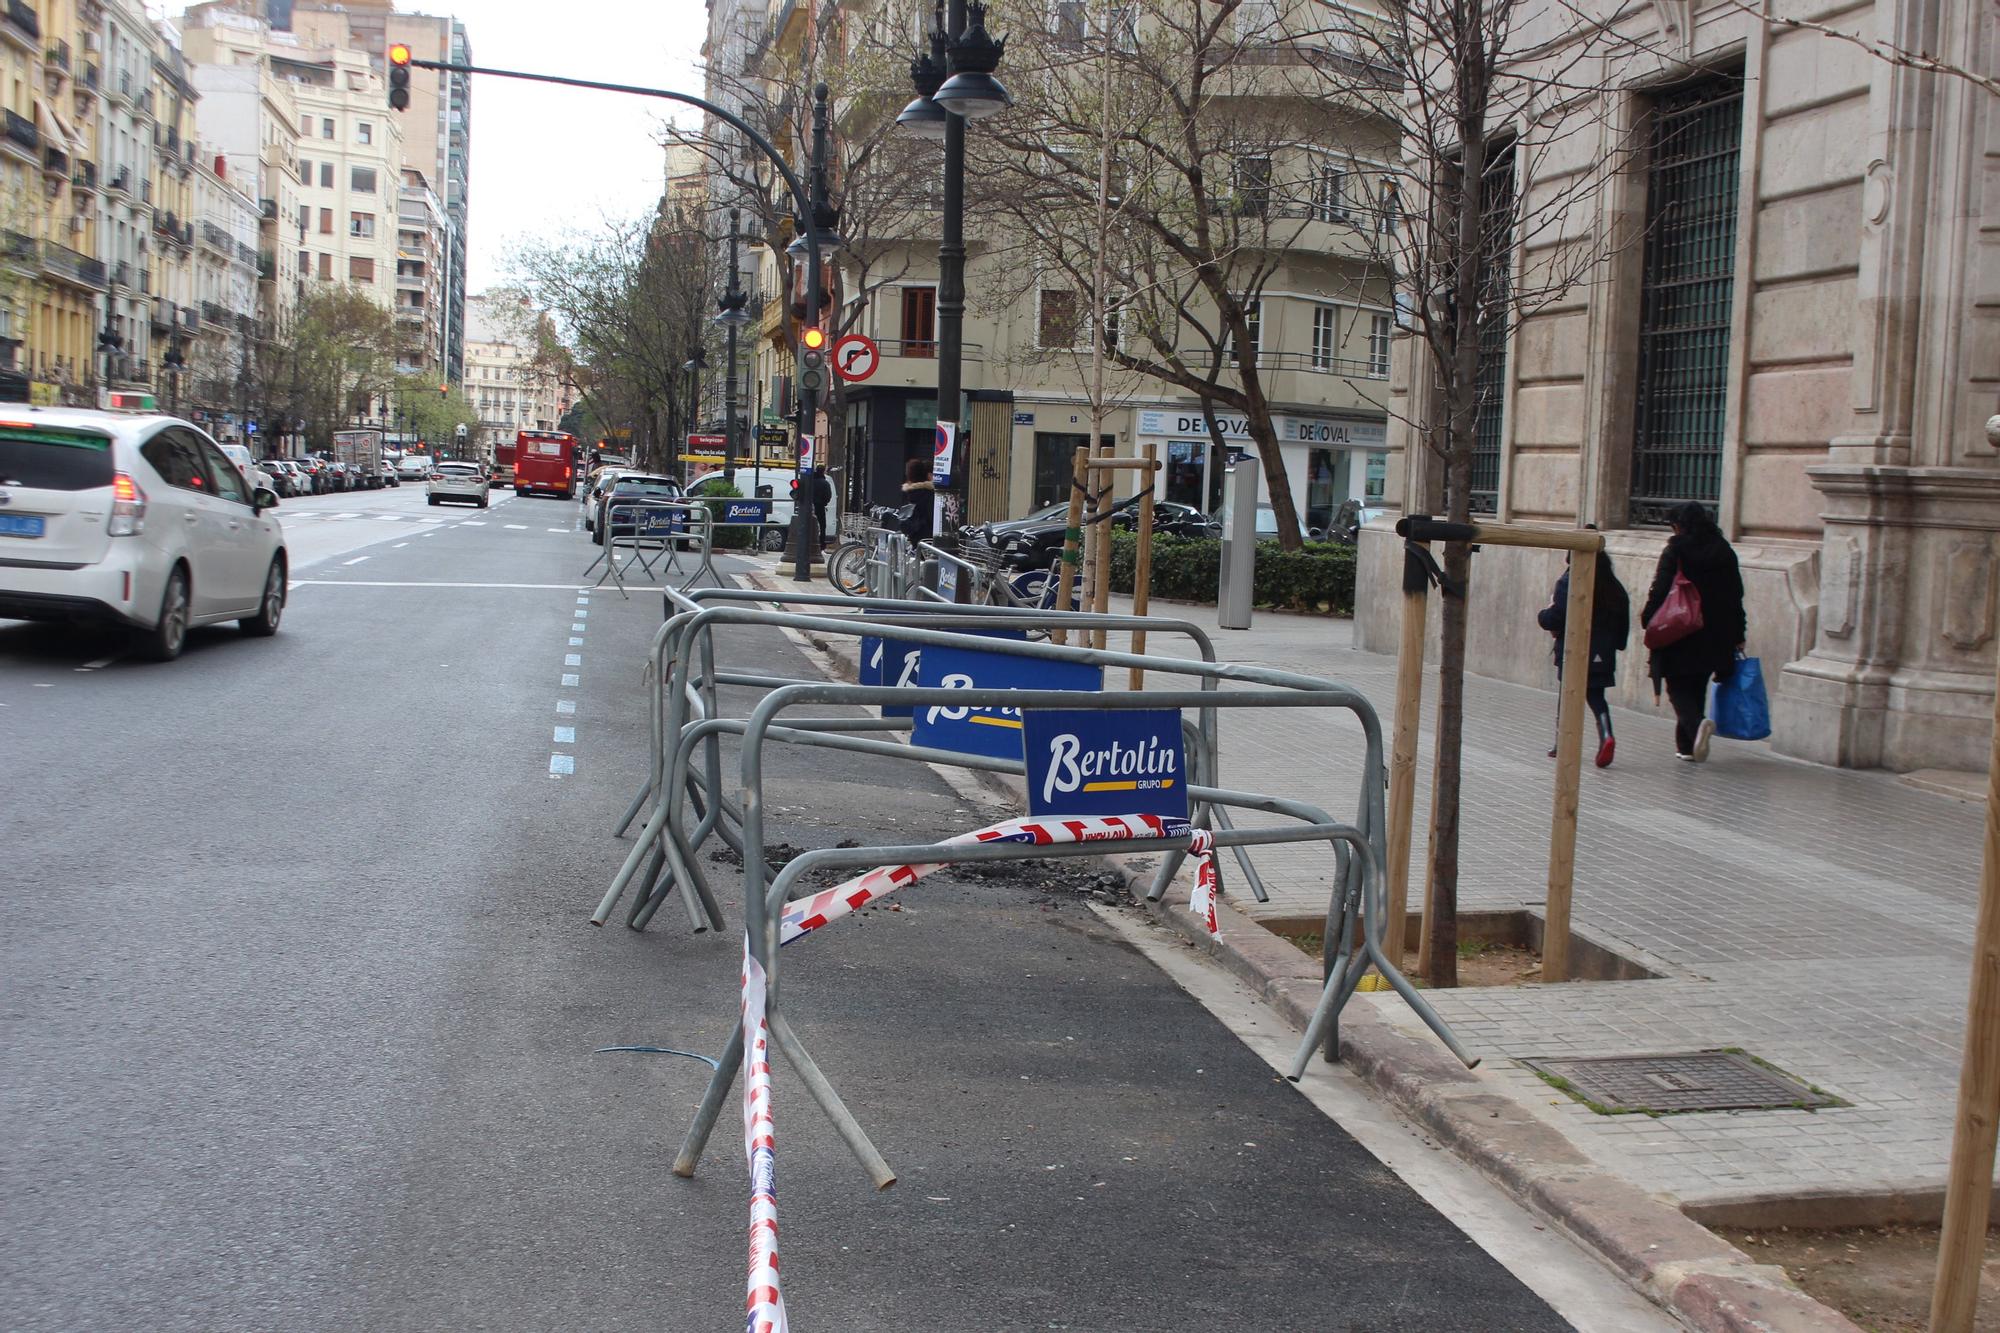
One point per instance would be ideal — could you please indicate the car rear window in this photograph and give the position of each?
(54, 460)
(459, 469)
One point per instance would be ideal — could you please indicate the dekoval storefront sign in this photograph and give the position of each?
(1330, 432)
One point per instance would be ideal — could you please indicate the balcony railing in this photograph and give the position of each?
(190, 321)
(22, 16)
(58, 55)
(92, 77)
(20, 130)
(145, 192)
(18, 246)
(145, 279)
(163, 313)
(54, 160)
(270, 210)
(245, 255)
(65, 262)
(217, 237)
(213, 313)
(84, 176)
(1353, 368)
(121, 180)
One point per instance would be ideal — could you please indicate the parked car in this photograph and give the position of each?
(140, 521)
(391, 474)
(1036, 541)
(634, 487)
(413, 467)
(593, 491)
(247, 467)
(314, 473)
(286, 479)
(458, 481)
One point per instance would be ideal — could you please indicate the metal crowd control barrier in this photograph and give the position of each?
(686, 710)
(658, 526)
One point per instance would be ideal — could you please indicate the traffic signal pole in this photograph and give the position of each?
(811, 362)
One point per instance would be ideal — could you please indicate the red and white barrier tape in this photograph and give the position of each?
(760, 1129)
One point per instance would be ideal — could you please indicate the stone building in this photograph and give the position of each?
(1805, 340)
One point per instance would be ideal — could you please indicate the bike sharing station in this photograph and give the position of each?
(978, 688)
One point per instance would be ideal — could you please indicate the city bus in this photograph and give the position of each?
(545, 460)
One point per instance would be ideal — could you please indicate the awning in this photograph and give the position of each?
(52, 126)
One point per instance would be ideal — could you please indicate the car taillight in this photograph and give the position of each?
(128, 507)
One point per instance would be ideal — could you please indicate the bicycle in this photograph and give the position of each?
(847, 563)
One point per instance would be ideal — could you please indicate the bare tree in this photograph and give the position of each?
(1505, 148)
(1207, 123)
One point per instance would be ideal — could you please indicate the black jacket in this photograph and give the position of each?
(1610, 621)
(1710, 564)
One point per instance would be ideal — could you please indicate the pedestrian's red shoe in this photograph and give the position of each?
(1606, 750)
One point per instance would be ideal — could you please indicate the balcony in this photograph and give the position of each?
(21, 133)
(121, 181)
(1347, 367)
(213, 313)
(84, 175)
(20, 21)
(64, 262)
(17, 247)
(216, 238)
(121, 274)
(58, 55)
(270, 210)
(245, 255)
(163, 313)
(145, 279)
(190, 321)
(145, 192)
(55, 161)
(93, 78)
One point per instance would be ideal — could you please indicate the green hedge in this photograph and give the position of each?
(1318, 577)
(734, 537)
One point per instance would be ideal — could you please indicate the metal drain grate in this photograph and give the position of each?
(1687, 1081)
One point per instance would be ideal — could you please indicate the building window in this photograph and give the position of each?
(1378, 347)
(361, 224)
(305, 172)
(361, 180)
(326, 175)
(305, 218)
(1324, 319)
(1057, 324)
(1329, 193)
(326, 222)
(326, 128)
(919, 321)
(1251, 177)
(1490, 371)
(366, 131)
(305, 261)
(1685, 295)
(326, 268)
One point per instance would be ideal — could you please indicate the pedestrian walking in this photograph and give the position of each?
(822, 496)
(1697, 597)
(1610, 627)
(918, 493)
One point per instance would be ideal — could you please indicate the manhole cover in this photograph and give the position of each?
(1688, 1081)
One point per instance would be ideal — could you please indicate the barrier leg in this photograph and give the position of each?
(632, 810)
(829, 1101)
(631, 866)
(710, 1110)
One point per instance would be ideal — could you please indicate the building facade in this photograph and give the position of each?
(226, 222)
(1825, 394)
(505, 382)
(422, 256)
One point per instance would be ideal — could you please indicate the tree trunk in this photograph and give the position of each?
(1441, 966)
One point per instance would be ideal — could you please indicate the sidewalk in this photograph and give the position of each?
(1817, 918)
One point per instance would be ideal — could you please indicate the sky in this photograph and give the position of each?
(548, 159)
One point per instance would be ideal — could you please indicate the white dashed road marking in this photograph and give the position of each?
(565, 735)
(399, 546)
(579, 628)
(575, 641)
(473, 523)
(99, 663)
(355, 561)
(566, 706)
(517, 527)
(571, 678)
(561, 765)
(560, 529)
(573, 659)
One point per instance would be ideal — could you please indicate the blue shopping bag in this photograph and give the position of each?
(1741, 710)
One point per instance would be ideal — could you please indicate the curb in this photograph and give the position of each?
(1673, 1260)
(1676, 1262)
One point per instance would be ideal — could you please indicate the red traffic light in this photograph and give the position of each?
(444, 391)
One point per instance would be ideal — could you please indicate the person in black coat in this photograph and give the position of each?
(1610, 627)
(1700, 551)
(822, 496)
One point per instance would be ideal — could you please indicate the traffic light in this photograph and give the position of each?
(399, 77)
(812, 358)
(444, 391)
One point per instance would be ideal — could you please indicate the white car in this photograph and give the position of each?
(458, 481)
(133, 520)
(413, 467)
(247, 466)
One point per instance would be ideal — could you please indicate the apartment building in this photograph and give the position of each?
(510, 392)
(423, 255)
(175, 313)
(227, 281)
(350, 171)
(125, 196)
(52, 199)
(1820, 380)
(437, 127)
(1319, 330)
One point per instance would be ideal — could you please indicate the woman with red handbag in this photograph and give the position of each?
(1694, 622)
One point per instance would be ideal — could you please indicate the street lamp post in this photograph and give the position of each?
(108, 342)
(954, 84)
(733, 314)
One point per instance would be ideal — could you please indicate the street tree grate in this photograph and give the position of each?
(1726, 1080)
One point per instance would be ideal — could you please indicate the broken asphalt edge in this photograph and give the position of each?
(1673, 1260)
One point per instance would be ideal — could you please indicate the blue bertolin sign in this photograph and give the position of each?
(1089, 762)
(745, 511)
(893, 662)
(995, 732)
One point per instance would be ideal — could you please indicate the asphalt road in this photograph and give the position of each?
(300, 1009)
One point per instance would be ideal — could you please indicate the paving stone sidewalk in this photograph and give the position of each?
(1816, 917)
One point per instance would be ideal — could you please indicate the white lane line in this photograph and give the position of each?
(44, 685)
(355, 561)
(100, 662)
(517, 527)
(573, 659)
(399, 546)
(561, 529)
(579, 628)
(581, 613)
(571, 678)
(561, 765)
(565, 736)
(566, 706)
(472, 523)
(576, 641)
(431, 533)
